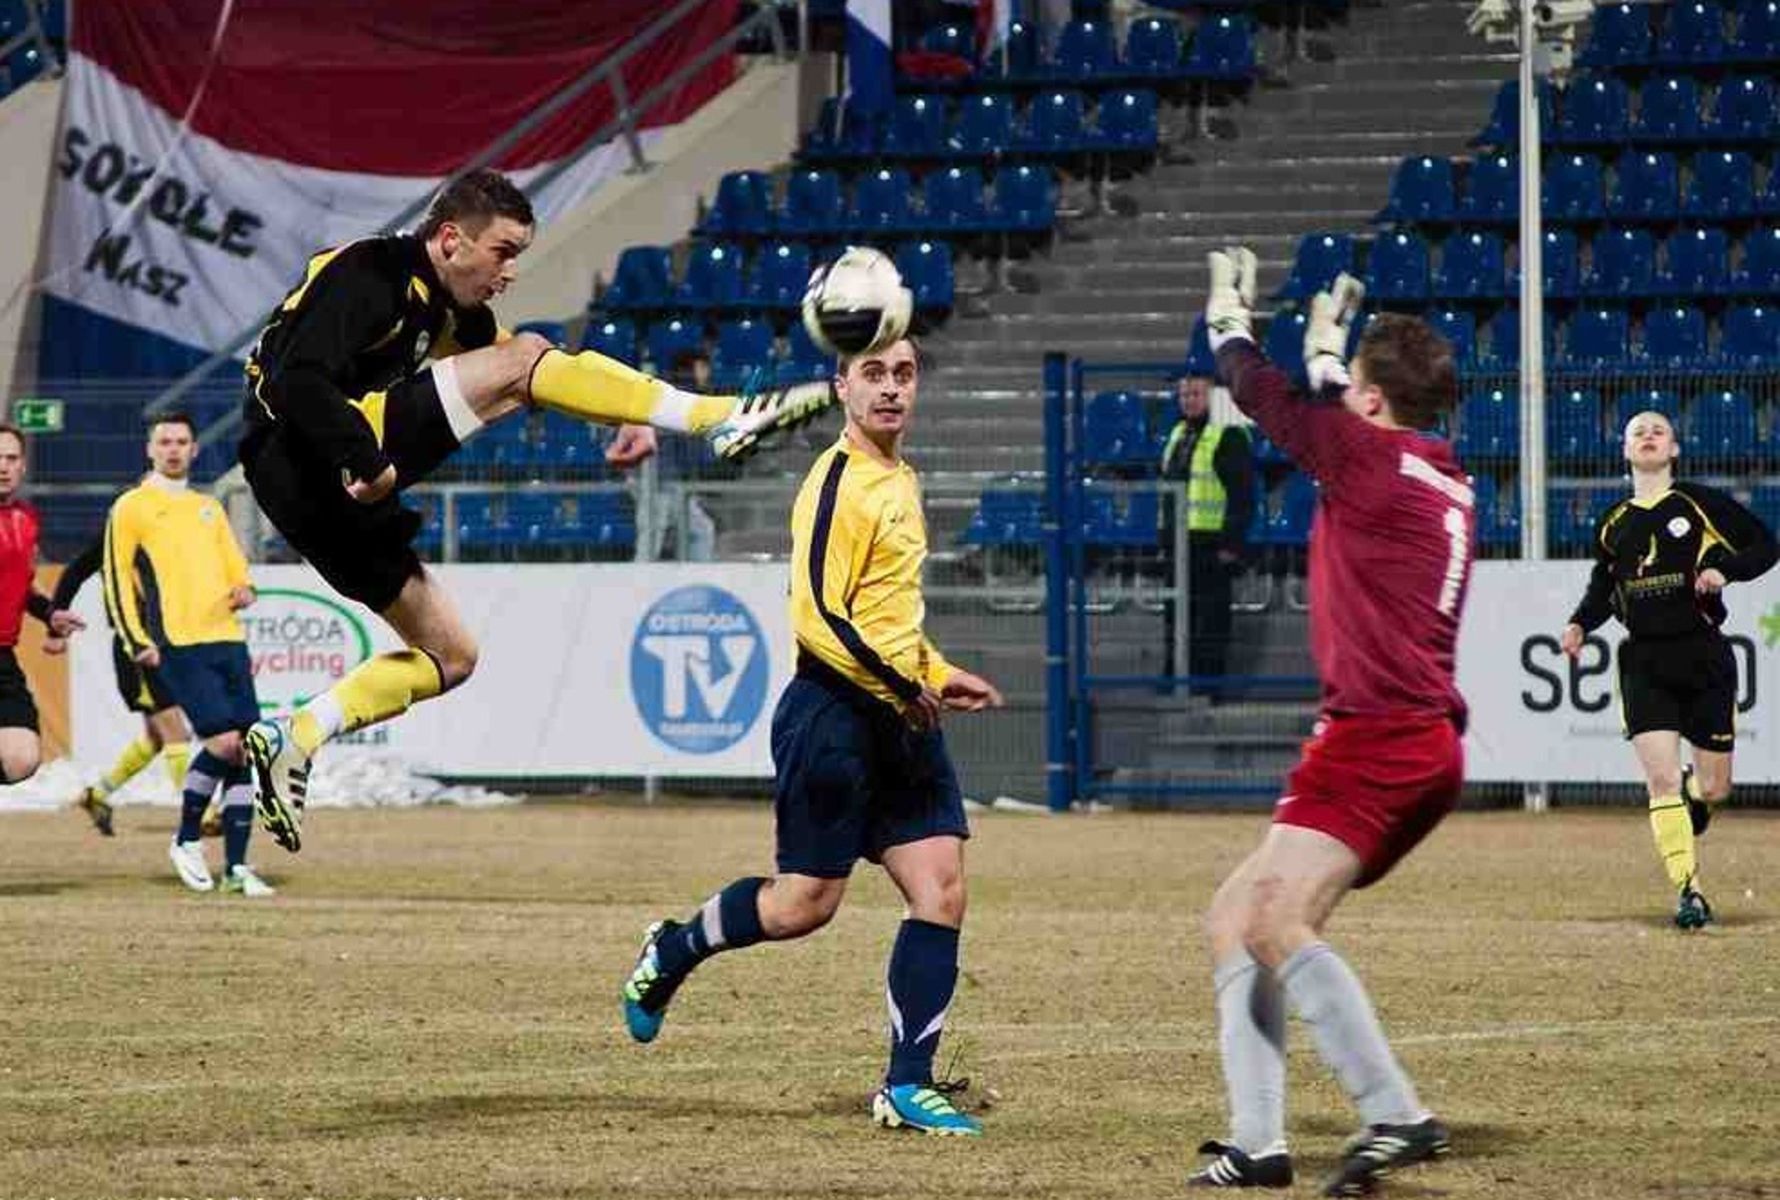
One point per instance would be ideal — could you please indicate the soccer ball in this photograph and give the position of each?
(857, 304)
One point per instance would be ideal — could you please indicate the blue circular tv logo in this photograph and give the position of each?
(698, 669)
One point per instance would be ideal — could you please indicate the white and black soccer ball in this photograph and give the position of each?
(857, 304)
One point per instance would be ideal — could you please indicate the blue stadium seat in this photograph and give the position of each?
(1503, 129)
(671, 339)
(1100, 517)
(481, 523)
(1498, 522)
(804, 361)
(1084, 51)
(1025, 199)
(1223, 49)
(1749, 337)
(1654, 399)
(1284, 343)
(712, 279)
(1674, 339)
(917, 127)
(1693, 33)
(1421, 191)
(881, 201)
(985, 125)
(1473, 266)
(1126, 121)
(1573, 188)
(1116, 431)
(1764, 502)
(614, 337)
(1398, 268)
(602, 520)
(1140, 524)
(1492, 191)
(1597, 336)
(1594, 112)
(24, 64)
(743, 345)
(1624, 264)
(954, 200)
(743, 205)
(780, 273)
(1743, 111)
(1760, 272)
(1560, 264)
(566, 445)
(1722, 425)
(643, 279)
(1573, 425)
(951, 38)
(1006, 518)
(1289, 523)
(1770, 193)
(1489, 425)
(1153, 48)
(1619, 37)
(1646, 186)
(1668, 110)
(1723, 185)
(1757, 37)
(1698, 263)
(1021, 55)
(1056, 123)
(1200, 360)
(1458, 327)
(1320, 257)
(926, 268)
(535, 519)
(824, 136)
(813, 203)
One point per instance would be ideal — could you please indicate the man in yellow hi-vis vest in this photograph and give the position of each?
(1217, 464)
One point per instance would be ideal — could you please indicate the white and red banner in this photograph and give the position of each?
(209, 146)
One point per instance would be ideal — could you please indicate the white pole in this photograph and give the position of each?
(1532, 328)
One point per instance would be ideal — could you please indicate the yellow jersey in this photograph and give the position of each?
(170, 563)
(858, 539)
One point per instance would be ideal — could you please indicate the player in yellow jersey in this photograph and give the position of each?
(174, 579)
(862, 768)
(344, 411)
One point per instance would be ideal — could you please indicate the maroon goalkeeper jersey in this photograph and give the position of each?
(1390, 547)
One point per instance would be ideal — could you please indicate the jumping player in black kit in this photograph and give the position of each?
(1662, 559)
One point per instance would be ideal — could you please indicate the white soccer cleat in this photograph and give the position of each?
(280, 781)
(188, 860)
(758, 413)
(242, 881)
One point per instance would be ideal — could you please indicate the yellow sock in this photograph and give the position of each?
(596, 388)
(1674, 837)
(375, 690)
(136, 755)
(176, 757)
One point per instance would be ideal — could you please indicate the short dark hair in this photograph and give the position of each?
(174, 416)
(923, 359)
(8, 427)
(474, 199)
(1403, 357)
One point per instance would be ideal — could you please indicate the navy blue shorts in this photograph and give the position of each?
(854, 779)
(213, 682)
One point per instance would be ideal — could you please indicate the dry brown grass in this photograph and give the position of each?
(429, 1009)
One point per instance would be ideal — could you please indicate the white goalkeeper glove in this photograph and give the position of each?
(1332, 316)
(1230, 305)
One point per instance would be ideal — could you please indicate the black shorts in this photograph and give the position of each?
(1686, 684)
(364, 551)
(853, 780)
(140, 687)
(17, 709)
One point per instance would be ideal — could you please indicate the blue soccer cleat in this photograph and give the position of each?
(921, 1108)
(647, 992)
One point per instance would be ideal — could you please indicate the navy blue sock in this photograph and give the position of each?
(201, 778)
(727, 921)
(237, 817)
(923, 973)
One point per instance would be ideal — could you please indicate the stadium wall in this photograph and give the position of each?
(28, 120)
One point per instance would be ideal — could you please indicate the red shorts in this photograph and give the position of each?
(1379, 785)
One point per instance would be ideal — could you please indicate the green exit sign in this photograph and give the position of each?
(35, 415)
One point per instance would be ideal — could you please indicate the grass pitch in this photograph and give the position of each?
(429, 1009)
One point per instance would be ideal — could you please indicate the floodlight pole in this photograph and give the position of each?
(1535, 794)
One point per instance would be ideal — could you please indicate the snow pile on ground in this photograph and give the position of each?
(351, 780)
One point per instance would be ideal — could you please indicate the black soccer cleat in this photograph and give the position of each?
(1698, 811)
(1380, 1149)
(1231, 1168)
(1691, 910)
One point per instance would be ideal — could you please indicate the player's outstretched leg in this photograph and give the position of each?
(280, 781)
(671, 949)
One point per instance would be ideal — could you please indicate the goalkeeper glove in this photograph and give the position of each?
(1229, 308)
(1332, 315)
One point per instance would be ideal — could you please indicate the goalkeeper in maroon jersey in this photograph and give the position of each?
(1390, 556)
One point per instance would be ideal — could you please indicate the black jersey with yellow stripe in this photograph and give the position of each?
(1649, 554)
(366, 315)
